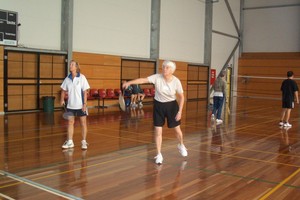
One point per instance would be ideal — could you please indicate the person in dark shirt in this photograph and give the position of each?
(129, 96)
(137, 90)
(289, 89)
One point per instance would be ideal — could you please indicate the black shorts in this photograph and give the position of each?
(287, 104)
(167, 110)
(77, 112)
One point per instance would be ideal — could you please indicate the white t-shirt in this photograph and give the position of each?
(75, 89)
(165, 92)
(218, 94)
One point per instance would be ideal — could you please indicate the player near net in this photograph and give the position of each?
(289, 89)
(167, 87)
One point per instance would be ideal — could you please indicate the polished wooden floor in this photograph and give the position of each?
(247, 157)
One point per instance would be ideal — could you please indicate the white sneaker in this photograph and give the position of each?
(140, 104)
(84, 145)
(286, 124)
(281, 123)
(182, 150)
(159, 159)
(219, 121)
(68, 144)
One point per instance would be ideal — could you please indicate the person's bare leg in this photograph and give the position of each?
(283, 114)
(138, 97)
(83, 127)
(181, 147)
(133, 99)
(288, 113)
(179, 134)
(142, 97)
(71, 122)
(158, 138)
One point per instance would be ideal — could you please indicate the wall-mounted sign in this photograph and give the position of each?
(213, 74)
(8, 27)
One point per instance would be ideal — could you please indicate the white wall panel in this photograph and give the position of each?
(223, 45)
(40, 22)
(182, 30)
(271, 29)
(261, 3)
(221, 17)
(115, 27)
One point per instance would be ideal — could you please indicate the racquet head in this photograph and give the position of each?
(67, 114)
(122, 102)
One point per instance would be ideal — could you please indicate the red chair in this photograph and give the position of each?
(147, 92)
(118, 92)
(102, 93)
(102, 96)
(110, 94)
(93, 94)
(152, 92)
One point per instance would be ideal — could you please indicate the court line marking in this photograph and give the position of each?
(280, 184)
(39, 186)
(148, 118)
(207, 151)
(227, 155)
(199, 192)
(6, 197)
(264, 137)
(202, 169)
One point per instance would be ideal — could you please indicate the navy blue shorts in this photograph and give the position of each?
(77, 112)
(168, 110)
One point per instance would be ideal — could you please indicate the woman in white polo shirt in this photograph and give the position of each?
(165, 105)
(76, 85)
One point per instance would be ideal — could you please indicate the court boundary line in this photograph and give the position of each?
(202, 169)
(280, 185)
(40, 186)
(6, 197)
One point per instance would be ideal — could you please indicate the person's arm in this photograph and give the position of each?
(297, 98)
(85, 86)
(180, 103)
(62, 97)
(136, 81)
(84, 100)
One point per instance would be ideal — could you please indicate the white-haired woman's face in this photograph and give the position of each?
(167, 70)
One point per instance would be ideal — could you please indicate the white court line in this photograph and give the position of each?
(40, 186)
(6, 197)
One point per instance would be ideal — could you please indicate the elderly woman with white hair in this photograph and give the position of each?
(167, 86)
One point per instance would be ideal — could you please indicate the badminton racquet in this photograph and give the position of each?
(67, 114)
(122, 102)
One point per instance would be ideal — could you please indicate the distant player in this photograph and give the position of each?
(289, 89)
